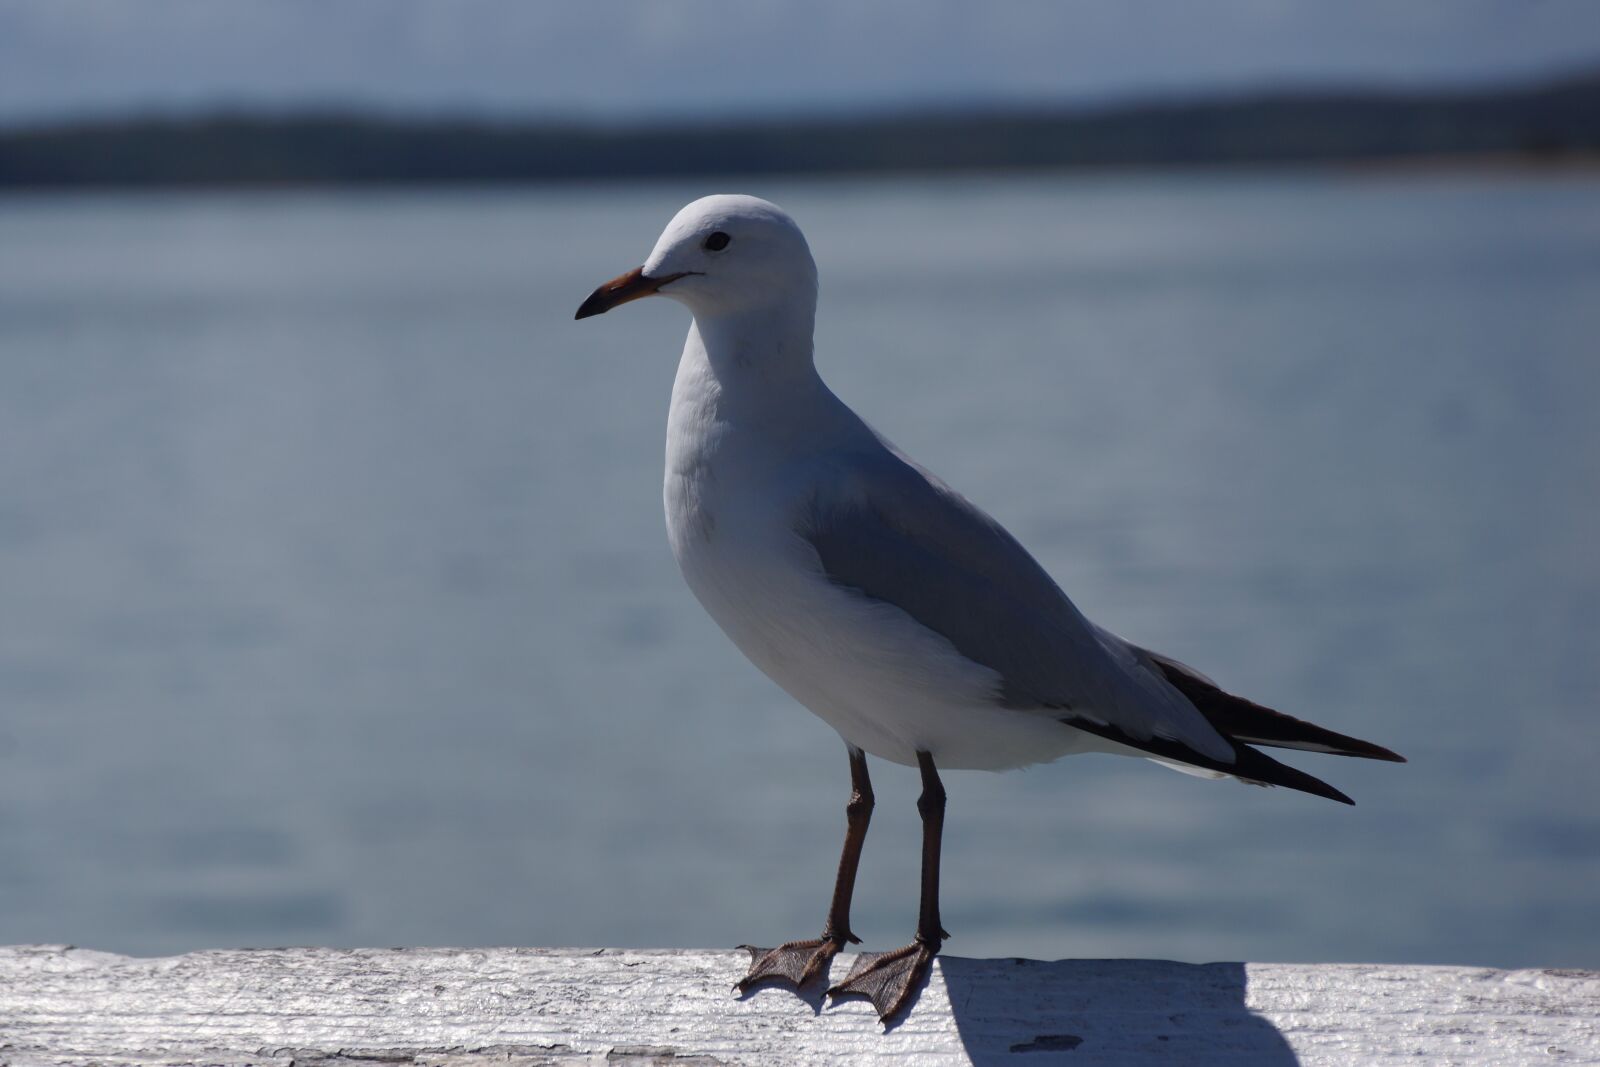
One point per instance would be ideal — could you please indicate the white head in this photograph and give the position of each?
(721, 255)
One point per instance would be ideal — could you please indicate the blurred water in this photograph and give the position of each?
(335, 606)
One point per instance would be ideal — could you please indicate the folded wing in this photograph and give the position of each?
(895, 533)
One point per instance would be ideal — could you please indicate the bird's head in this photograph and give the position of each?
(722, 254)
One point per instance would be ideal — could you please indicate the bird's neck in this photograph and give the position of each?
(760, 359)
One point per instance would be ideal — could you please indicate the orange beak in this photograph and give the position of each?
(633, 285)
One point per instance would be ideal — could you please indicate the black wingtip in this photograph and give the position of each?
(1248, 764)
(1249, 723)
(1257, 766)
(1348, 746)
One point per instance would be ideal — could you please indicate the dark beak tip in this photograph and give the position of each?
(619, 290)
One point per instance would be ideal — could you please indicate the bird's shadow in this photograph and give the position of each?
(1018, 1011)
(813, 994)
(1107, 1011)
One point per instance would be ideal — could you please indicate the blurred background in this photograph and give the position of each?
(335, 606)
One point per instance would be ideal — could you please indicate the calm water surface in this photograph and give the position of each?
(335, 605)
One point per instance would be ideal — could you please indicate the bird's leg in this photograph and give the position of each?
(891, 978)
(799, 962)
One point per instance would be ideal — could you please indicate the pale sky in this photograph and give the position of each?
(620, 58)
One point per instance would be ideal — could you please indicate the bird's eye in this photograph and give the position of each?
(716, 242)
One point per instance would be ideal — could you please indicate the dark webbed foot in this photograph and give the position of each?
(889, 979)
(797, 963)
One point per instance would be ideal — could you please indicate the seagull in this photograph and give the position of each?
(881, 599)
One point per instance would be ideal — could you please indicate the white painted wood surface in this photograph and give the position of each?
(325, 1007)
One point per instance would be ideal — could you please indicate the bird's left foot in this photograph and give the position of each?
(889, 979)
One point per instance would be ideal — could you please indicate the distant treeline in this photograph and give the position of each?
(1557, 119)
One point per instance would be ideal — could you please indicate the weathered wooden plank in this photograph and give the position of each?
(328, 1007)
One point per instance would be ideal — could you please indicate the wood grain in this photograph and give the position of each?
(325, 1007)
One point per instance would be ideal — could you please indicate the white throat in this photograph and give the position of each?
(766, 342)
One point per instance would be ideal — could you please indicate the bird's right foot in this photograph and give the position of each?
(796, 963)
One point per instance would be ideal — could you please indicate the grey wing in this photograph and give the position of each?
(897, 534)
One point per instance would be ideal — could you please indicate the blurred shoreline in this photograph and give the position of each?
(1552, 125)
